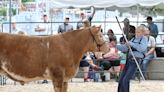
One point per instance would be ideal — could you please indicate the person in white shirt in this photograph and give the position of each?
(84, 17)
(43, 28)
(150, 52)
(15, 29)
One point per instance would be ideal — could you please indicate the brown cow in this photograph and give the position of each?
(57, 57)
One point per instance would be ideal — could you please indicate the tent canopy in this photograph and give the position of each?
(153, 7)
(104, 3)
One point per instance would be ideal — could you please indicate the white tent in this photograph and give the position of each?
(155, 7)
(104, 3)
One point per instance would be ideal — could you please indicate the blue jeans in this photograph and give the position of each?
(145, 63)
(126, 75)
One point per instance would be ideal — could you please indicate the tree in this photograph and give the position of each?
(24, 1)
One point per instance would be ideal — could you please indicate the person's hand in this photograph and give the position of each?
(127, 43)
(39, 29)
(102, 56)
(96, 67)
(146, 54)
(93, 7)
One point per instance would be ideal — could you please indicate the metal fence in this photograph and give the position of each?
(53, 27)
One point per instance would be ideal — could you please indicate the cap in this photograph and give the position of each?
(44, 15)
(67, 18)
(82, 13)
(126, 20)
(149, 18)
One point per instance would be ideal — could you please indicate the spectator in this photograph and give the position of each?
(139, 48)
(152, 27)
(65, 26)
(85, 63)
(122, 60)
(86, 60)
(86, 23)
(43, 28)
(110, 34)
(111, 60)
(15, 29)
(129, 30)
(150, 53)
(83, 17)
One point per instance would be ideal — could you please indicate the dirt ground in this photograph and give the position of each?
(79, 86)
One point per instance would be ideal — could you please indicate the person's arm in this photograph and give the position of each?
(40, 28)
(93, 12)
(152, 48)
(110, 53)
(140, 47)
(78, 25)
(150, 51)
(122, 48)
(71, 27)
(155, 28)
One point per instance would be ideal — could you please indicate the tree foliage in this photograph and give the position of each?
(24, 1)
(3, 11)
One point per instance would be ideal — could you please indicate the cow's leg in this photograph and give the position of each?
(57, 76)
(65, 86)
(58, 86)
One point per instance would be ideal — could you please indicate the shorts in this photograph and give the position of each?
(84, 63)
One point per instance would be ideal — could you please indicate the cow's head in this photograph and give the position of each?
(97, 42)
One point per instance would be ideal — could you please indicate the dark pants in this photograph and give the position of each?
(107, 64)
(126, 75)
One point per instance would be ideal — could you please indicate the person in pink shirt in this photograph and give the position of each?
(111, 60)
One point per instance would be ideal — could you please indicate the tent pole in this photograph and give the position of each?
(10, 10)
(105, 20)
(137, 14)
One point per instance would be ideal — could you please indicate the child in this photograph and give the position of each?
(138, 45)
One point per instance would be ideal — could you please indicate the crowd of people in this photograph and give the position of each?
(137, 42)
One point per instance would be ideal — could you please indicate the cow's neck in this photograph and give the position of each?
(79, 41)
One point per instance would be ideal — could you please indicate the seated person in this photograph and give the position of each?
(87, 62)
(112, 55)
(150, 53)
(111, 60)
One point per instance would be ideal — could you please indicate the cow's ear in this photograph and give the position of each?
(98, 28)
(95, 29)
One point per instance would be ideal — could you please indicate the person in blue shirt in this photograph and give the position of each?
(138, 45)
(152, 27)
(65, 27)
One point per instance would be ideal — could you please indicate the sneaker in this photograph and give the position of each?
(44, 81)
(85, 79)
(103, 78)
